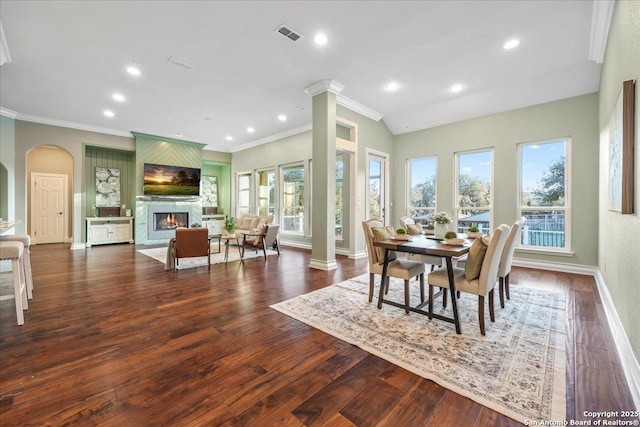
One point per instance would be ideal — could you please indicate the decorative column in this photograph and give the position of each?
(323, 191)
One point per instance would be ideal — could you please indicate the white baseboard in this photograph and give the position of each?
(293, 244)
(75, 246)
(358, 255)
(628, 360)
(323, 265)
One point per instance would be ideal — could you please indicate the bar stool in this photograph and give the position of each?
(25, 239)
(13, 251)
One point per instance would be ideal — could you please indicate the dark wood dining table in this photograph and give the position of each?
(425, 246)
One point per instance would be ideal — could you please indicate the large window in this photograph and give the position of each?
(543, 198)
(293, 199)
(473, 190)
(339, 195)
(422, 188)
(244, 192)
(266, 192)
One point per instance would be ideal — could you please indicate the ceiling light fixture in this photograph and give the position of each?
(511, 44)
(108, 113)
(133, 70)
(456, 88)
(320, 39)
(118, 97)
(228, 138)
(250, 129)
(391, 87)
(282, 118)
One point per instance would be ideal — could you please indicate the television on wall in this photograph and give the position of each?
(164, 180)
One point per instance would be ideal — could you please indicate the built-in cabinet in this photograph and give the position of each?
(107, 230)
(215, 223)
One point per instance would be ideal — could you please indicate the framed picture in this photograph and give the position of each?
(209, 191)
(621, 133)
(107, 187)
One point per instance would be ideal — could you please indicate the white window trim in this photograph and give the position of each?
(456, 183)
(408, 184)
(280, 213)
(567, 250)
(256, 200)
(237, 192)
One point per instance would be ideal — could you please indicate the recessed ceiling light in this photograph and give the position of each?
(118, 97)
(207, 118)
(250, 129)
(511, 44)
(108, 113)
(456, 88)
(320, 39)
(228, 138)
(133, 70)
(282, 118)
(391, 87)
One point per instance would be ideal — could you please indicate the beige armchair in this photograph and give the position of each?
(191, 242)
(400, 268)
(268, 238)
(481, 286)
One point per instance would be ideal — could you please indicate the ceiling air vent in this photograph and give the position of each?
(288, 32)
(180, 63)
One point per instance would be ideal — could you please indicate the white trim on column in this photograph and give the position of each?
(326, 85)
(600, 22)
(323, 265)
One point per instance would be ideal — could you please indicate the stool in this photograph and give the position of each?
(25, 239)
(14, 251)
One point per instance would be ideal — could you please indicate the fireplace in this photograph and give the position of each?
(169, 220)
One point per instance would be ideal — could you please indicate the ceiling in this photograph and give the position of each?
(68, 57)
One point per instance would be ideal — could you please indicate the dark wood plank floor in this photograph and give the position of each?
(110, 338)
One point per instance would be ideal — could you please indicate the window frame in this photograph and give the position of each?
(271, 209)
(283, 194)
(239, 208)
(409, 207)
(456, 186)
(567, 198)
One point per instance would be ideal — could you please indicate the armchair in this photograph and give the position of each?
(191, 242)
(268, 237)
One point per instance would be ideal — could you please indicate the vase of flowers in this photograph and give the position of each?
(442, 221)
(229, 225)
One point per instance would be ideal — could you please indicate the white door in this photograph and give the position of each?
(377, 185)
(48, 207)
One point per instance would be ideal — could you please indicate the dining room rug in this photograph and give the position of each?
(517, 369)
(160, 254)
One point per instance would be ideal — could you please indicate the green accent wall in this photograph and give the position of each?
(109, 158)
(223, 172)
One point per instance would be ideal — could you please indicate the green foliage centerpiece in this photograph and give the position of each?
(229, 224)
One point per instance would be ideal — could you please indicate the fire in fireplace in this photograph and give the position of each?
(170, 220)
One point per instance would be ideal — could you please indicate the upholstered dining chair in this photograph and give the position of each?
(408, 224)
(505, 261)
(399, 268)
(482, 285)
(268, 238)
(191, 242)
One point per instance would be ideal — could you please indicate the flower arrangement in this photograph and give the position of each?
(441, 218)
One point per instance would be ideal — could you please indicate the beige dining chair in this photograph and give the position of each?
(433, 261)
(399, 268)
(505, 261)
(483, 285)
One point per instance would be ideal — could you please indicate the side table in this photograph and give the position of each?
(227, 239)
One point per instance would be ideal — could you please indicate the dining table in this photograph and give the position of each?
(424, 245)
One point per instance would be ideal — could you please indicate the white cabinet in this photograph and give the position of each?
(106, 230)
(215, 223)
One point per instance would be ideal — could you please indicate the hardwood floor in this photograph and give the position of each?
(110, 338)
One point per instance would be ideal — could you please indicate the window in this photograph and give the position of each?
(339, 195)
(266, 192)
(293, 199)
(422, 188)
(244, 192)
(543, 198)
(473, 190)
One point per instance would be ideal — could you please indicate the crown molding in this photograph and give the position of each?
(72, 125)
(358, 108)
(600, 22)
(290, 132)
(8, 113)
(326, 85)
(5, 55)
(164, 138)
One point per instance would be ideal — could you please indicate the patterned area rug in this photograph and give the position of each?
(160, 254)
(517, 369)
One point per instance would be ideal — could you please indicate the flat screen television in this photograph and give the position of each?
(164, 180)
